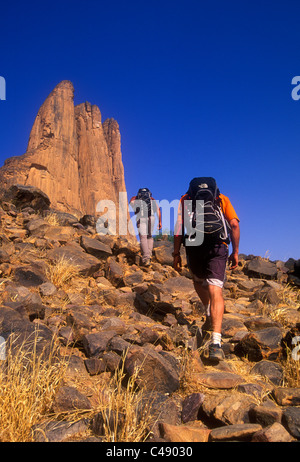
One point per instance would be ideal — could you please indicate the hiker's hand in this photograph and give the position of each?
(177, 263)
(159, 226)
(233, 261)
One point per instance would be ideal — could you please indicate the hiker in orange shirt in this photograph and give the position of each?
(206, 221)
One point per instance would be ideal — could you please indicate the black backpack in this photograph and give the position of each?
(205, 216)
(144, 195)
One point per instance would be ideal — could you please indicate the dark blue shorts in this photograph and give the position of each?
(208, 264)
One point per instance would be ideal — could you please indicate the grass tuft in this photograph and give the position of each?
(126, 415)
(28, 382)
(61, 271)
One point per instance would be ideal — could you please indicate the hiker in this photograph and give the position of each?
(145, 207)
(205, 225)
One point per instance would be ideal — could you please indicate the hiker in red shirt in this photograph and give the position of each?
(206, 221)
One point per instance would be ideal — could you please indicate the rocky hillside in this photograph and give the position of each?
(128, 338)
(71, 155)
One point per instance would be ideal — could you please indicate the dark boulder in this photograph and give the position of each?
(27, 196)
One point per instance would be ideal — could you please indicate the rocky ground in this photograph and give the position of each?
(109, 314)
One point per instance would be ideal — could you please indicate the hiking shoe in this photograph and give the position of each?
(147, 262)
(215, 353)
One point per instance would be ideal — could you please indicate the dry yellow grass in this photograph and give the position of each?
(290, 295)
(125, 414)
(4, 281)
(52, 219)
(61, 271)
(127, 418)
(291, 371)
(277, 314)
(289, 298)
(28, 383)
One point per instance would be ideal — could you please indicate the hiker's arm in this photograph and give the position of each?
(131, 202)
(159, 217)
(178, 231)
(176, 253)
(235, 240)
(177, 244)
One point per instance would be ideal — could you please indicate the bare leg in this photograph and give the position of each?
(216, 307)
(203, 293)
(212, 295)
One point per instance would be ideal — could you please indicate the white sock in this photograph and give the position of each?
(216, 338)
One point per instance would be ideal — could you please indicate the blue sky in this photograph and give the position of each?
(198, 88)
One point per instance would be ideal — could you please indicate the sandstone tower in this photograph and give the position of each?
(71, 156)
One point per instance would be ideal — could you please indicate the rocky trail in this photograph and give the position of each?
(129, 340)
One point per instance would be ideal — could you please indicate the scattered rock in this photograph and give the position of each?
(88, 220)
(76, 370)
(24, 196)
(114, 272)
(152, 370)
(85, 264)
(60, 234)
(70, 399)
(266, 413)
(249, 285)
(96, 342)
(269, 369)
(191, 406)
(163, 253)
(287, 396)
(59, 431)
(134, 279)
(261, 344)
(147, 322)
(29, 276)
(222, 380)
(179, 285)
(253, 389)
(107, 420)
(4, 256)
(61, 218)
(266, 295)
(259, 322)
(274, 433)
(95, 247)
(238, 432)
(37, 227)
(95, 366)
(184, 433)
(228, 409)
(231, 326)
(162, 408)
(260, 268)
(47, 289)
(291, 420)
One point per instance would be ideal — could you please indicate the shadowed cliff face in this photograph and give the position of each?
(71, 156)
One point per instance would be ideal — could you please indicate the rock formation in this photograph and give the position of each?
(71, 156)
